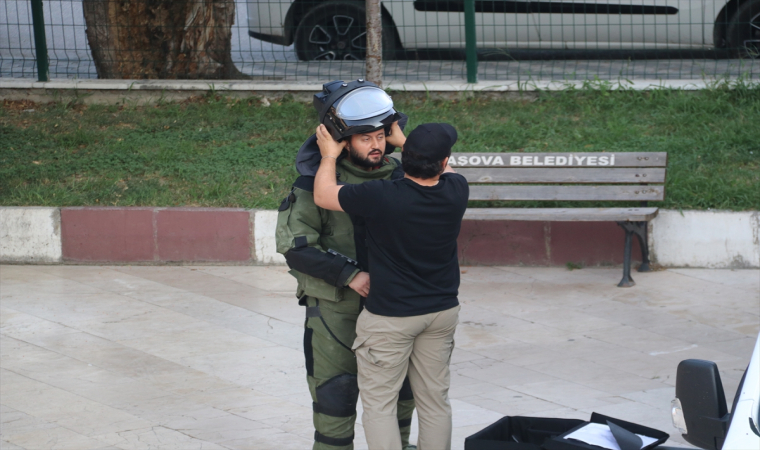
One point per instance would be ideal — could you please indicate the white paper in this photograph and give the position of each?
(600, 435)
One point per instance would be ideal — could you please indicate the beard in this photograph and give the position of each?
(363, 161)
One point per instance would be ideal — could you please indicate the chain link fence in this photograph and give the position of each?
(423, 40)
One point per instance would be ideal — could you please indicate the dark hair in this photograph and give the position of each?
(419, 166)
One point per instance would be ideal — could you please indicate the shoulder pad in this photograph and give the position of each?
(304, 183)
(287, 201)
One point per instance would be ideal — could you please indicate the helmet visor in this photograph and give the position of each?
(363, 103)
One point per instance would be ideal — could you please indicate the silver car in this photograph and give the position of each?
(335, 29)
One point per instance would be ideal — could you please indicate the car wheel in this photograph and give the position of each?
(743, 32)
(338, 31)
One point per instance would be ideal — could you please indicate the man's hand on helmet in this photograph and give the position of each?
(328, 147)
(396, 137)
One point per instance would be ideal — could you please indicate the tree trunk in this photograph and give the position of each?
(164, 39)
(374, 58)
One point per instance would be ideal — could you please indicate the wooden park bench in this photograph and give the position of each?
(638, 177)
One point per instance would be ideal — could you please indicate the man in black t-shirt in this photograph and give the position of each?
(412, 308)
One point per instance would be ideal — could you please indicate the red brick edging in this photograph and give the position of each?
(92, 234)
(226, 235)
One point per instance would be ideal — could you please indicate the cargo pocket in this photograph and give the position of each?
(378, 351)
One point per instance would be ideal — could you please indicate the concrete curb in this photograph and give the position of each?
(95, 235)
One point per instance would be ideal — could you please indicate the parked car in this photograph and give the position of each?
(700, 411)
(335, 29)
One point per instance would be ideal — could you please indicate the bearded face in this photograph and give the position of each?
(367, 150)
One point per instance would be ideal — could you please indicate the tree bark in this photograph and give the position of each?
(161, 39)
(374, 58)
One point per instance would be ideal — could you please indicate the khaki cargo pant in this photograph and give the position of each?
(330, 329)
(389, 347)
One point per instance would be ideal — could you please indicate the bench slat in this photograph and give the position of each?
(570, 193)
(621, 159)
(562, 214)
(564, 175)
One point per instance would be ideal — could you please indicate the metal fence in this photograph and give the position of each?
(426, 40)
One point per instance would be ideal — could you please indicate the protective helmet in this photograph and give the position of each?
(354, 108)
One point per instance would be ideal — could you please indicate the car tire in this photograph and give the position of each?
(743, 31)
(337, 30)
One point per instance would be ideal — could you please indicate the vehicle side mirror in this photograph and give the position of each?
(703, 402)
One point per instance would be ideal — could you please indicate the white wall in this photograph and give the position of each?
(264, 244)
(711, 239)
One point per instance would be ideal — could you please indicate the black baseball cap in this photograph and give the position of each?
(432, 140)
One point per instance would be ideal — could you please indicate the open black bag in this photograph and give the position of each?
(537, 433)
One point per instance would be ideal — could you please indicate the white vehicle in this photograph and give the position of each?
(700, 412)
(335, 29)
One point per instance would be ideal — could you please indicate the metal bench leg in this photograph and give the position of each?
(627, 281)
(644, 244)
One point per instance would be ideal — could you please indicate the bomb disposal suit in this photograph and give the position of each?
(326, 250)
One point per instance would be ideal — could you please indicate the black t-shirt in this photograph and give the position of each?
(412, 239)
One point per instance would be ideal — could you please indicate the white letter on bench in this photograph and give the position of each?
(462, 160)
(474, 160)
(604, 160)
(612, 160)
(527, 161)
(592, 160)
(580, 160)
(561, 160)
(487, 160)
(537, 161)
(549, 160)
(499, 162)
(513, 160)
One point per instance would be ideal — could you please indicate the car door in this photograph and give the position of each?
(619, 24)
(440, 23)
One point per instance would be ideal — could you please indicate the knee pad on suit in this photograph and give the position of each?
(337, 397)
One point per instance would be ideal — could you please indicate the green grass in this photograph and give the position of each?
(215, 151)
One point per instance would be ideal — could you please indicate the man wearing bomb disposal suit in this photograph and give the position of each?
(327, 253)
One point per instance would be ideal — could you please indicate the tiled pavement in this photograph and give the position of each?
(209, 357)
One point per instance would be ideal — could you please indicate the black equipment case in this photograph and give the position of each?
(537, 433)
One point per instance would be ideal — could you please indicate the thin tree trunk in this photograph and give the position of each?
(374, 58)
(138, 39)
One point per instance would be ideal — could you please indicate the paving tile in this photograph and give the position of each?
(503, 374)
(272, 305)
(16, 422)
(156, 437)
(282, 409)
(5, 445)
(203, 340)
(270, 438)
(271, 278)
(58, 438)
(739, 278)
(566, 394)
(217, 429)
(509, 403)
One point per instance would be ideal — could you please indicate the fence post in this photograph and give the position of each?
(470, 41)
(40, 42)
(374, 58)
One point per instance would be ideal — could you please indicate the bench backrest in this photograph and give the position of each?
(564, 176)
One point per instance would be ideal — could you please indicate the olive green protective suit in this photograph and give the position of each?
(305, 233)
